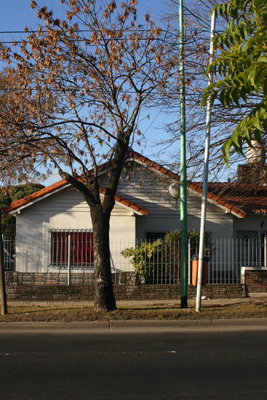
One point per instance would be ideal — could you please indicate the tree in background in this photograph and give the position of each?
(197, 43)
(71, 100)
(241, 67)
(12, 193)
(7, 226)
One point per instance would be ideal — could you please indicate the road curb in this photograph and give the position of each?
(173, 325)
(117, 326)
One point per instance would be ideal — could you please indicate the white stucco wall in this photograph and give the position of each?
(251, 223)
(149, 189)
(66, 210)
(30, 243)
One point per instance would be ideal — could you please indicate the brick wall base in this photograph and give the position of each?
(255, 281)
(21, 286)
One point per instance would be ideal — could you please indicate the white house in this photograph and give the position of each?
(143, 210)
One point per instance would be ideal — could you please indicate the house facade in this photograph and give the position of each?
(53, 225)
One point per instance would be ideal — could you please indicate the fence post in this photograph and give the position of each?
(69, 258)
(265, 252)
(189, 262)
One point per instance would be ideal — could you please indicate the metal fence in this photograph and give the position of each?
(149, 262)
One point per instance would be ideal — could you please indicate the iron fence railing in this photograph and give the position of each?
(147, 262)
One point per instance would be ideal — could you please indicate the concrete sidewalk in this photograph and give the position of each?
(205, 302)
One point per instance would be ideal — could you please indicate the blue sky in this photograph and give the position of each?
(16, 14)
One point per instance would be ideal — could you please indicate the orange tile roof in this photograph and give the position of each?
(240, 199)
(125, 202)
(58, 185)
(154, 165)
(35, 196)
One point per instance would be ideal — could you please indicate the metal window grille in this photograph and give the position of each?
(9, 244)
(72, 247)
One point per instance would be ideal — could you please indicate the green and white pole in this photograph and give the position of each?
(183, 184)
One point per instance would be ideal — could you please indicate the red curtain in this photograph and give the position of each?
(82, 252)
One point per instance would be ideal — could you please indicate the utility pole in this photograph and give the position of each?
(2, 273)
(205, 180)
(183, 183)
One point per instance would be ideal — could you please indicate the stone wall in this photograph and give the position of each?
(22, 286)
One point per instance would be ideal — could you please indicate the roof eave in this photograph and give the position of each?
(10, 210)
(212, 199)
(138, 210)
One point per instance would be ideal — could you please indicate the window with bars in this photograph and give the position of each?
(75, 247)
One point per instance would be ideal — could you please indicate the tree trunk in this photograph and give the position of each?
(104, 295)
(2, 274)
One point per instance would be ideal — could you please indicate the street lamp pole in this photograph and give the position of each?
(205, 180)
(183, 184)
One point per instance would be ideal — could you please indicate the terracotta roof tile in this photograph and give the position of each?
(241, 199)
(154, 165)
(34, 196)
(127, 203)
(58, 185)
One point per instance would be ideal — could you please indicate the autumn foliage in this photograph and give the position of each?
(71, 95)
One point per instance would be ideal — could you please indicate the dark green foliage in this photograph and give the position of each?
(13, 193)
(9, 225)
(241, 70)
(145, 258)
(16, 192)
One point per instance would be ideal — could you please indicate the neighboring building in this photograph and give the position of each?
(255, 170)
(143, 210)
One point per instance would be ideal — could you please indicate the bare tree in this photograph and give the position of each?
(71, 99)
(197, 39)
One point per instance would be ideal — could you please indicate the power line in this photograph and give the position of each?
(78, 30)
(81, 39)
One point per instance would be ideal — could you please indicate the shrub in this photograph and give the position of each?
(145, 258)
(159, 261)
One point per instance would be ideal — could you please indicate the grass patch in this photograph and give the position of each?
(253, 309)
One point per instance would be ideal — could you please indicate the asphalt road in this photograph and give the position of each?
(201, 364)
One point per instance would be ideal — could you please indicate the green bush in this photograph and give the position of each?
(159, 261)
(145, 258)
